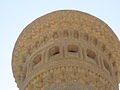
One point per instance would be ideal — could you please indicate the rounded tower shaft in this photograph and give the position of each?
(67, 50)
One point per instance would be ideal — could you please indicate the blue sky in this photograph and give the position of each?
(16, 14)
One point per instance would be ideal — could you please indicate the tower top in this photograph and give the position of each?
(38, 32)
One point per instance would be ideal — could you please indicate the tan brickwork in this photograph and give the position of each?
(67, 50)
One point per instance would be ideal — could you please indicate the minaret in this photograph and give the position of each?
(67, 50)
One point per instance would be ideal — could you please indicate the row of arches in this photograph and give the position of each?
(76, 34)
(90, 55)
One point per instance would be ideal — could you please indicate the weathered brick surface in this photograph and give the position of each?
(67, 50)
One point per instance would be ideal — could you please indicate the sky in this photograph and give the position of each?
(15, 15)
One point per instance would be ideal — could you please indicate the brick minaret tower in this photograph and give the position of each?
(67, 50)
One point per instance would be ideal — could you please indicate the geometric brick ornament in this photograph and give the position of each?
(67, 50)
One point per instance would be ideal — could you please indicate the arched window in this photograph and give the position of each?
(37, 59)
(92, 55)
(72, 48)
(54, 51)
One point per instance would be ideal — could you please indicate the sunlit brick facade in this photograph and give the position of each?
(67, 50)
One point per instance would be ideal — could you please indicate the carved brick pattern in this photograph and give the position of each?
(60, 26)
(37, 45)
(70, 75)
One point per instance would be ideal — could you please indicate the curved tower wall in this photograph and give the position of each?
(66, 50)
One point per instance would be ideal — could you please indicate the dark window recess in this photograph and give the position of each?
(91, 54)
(54, 51)
(116, 73)
(37, 59)
(72, 48)
(110, 55)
